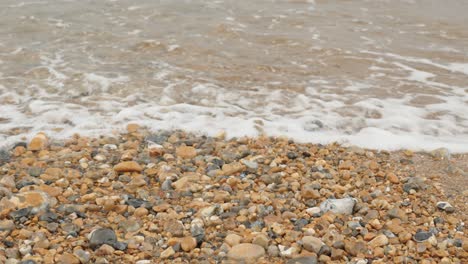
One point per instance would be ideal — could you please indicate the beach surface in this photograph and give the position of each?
(175, 197)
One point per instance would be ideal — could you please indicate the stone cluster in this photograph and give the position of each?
(173, 197)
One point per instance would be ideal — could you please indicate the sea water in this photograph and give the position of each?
(379, 74)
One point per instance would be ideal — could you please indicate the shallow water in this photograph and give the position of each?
(379, 74)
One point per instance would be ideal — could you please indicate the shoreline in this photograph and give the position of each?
(176, 197)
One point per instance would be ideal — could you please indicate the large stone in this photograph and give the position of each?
(128, 166)
(246, 252)
(338, 206)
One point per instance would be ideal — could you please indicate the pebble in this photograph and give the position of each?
(102, 236)
(6, 225)
(445, 206)
(68, 259)
(188, 243)
(204, 198)
(128, 166)
(186, 152)
(422, 236)
(39, 142)
(261, 240)
(312, 244)
(36, 201)
(303, 260)
(167, 253)
(379, 241)
(233, 239)
(338, 206)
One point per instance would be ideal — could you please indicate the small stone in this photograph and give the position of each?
(246, 252)
(313, 211)
(287, 252)
(261, 240)
(39, 142)
(6, 225)
(105, 250)
(4, 156)
(167, 253)
(67, 258)
(379, 241)
(273, 251)
(232, 168)
(250, 164)
(393, 178)
(140, 212)
(132, 128)
(233, 239)
(128, 166)
(441, 154)
(445, 206)
(102, 236)
(397, 213)
(422, 236)
(188, 243)
(83, 256)
(174, 227)
(303, 260)
(338, 206)
(308, 191)
(312, 244)
(8, 181)
(186, 152)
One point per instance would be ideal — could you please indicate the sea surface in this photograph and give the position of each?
(379, 74)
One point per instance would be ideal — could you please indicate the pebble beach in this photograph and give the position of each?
(175, 197)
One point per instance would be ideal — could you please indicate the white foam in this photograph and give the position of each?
(103, 82)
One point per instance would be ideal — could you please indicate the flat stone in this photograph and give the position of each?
(246, 252)
(128, 166)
